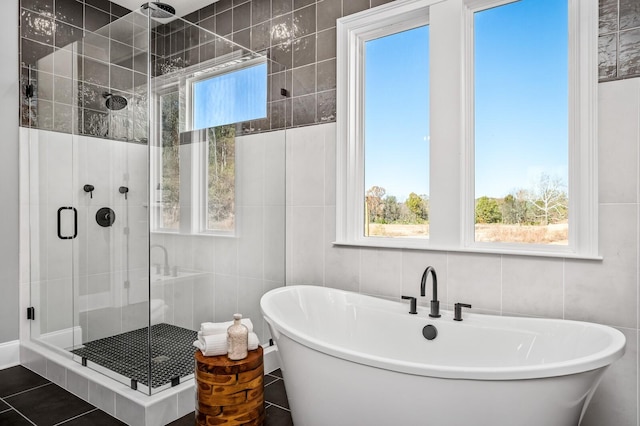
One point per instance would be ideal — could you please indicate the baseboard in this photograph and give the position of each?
(66, 338)
(9, 354)
(271, 359)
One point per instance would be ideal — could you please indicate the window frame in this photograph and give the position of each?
(201, 76)
(155, 157)
(194, 154)
(452, 162)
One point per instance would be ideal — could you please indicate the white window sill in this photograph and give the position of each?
(491, 248)
(194, 234)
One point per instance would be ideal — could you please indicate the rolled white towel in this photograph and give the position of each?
(214, 345)
(254, 342)
(211, 328)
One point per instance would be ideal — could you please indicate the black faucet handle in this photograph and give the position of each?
(413, 304)
(435, 309)
(89, 188)
(457, 310)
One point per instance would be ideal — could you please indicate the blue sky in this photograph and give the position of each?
(521, 102)
(397, 113)
(231, 98)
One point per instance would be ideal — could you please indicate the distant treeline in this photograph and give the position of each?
(546, 203)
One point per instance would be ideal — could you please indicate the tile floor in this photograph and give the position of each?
(29, 399)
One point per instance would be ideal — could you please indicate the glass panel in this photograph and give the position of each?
(126, 301)
(231, 97)
(168, 189)
(111, 155)
(53, 217)
(521, 123)
(222, 189)
(397, 135)
(89, 227)
(221, 178)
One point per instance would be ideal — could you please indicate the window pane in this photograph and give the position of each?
(168, 190)
(521, 123)
(221, 178)
(397, 135)
(228, 98)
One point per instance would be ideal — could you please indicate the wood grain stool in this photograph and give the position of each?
(230, 392)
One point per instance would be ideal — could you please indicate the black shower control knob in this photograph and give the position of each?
(105, 217)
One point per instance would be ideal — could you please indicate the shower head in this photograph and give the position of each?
(114, 102)
(159, 10)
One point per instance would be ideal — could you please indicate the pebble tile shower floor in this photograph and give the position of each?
(29, 399)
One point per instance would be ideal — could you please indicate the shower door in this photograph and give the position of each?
(88, 200)
(111, 185)
(52, 203)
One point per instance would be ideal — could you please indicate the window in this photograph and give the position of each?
(194, 167)
(396, 162)
(167, 193)
(230, 97)
(469, 129)
(521, 121)
(220, 198)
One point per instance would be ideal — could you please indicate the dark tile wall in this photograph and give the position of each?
(619, 39)
(300, 35)
(106, 62)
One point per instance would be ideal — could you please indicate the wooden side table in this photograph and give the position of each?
(230, 392)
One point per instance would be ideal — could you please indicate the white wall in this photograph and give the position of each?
(232, 273)
(605, 291)
(81, 282)
(9, 286)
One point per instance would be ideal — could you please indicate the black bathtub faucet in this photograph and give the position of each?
(435, 304)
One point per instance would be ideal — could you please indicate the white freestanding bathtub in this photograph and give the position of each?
(351, 359)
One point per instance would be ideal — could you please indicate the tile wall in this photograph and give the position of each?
(241, 270)
(298, 34)
(301, 34)
(103, 63)
(98, 283)
(101, 259)
(605, 291)
(619, 39)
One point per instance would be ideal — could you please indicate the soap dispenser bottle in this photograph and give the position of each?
(237, 339)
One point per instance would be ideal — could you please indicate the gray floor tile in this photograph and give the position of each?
(18, 379)
(48, 405)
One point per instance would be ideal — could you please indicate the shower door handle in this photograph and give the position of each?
(75, 223)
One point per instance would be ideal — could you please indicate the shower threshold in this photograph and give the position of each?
(127, 354)
(104, 389)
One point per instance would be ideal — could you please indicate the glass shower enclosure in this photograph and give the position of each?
(158, 202)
